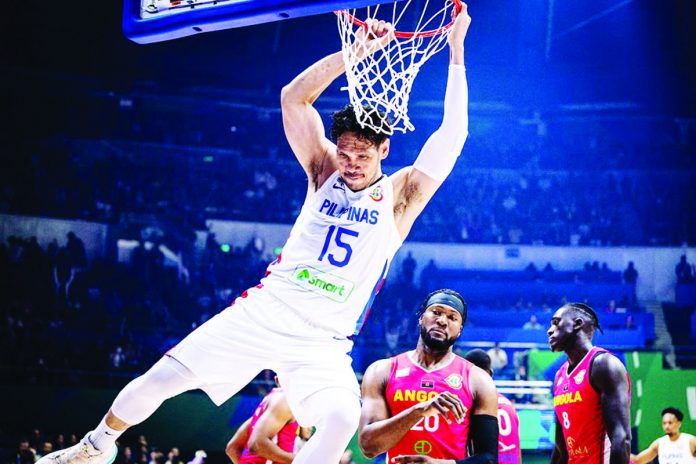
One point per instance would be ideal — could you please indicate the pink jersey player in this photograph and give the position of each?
(579, 413)
(410, 384)
(285, 438)
(509, 451)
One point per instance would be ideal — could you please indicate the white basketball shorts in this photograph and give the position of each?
(260, 332)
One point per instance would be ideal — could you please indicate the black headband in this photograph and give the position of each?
(447, 299)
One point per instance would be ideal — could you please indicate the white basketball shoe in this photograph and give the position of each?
(82, 453)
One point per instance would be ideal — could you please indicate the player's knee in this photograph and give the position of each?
(167, 378)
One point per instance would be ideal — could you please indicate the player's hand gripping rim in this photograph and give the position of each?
(373, 36)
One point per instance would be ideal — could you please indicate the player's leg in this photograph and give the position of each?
(337, 412)
(322, 391)
(220, 357)
(135, 403)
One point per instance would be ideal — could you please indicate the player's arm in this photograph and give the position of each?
(415, 185)
(269, 424)
(303, 126)
(608, 377)
(302, 123)
(483, 423)
(648, 454)
(303, 435)
(559, 455)
(238, 442)
(378, 431)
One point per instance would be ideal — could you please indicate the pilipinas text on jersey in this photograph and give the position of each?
(337, 255)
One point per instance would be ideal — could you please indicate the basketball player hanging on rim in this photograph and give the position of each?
(591, 393)
(299, 321)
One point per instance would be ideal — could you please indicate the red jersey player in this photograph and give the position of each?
(591, 393)
(423, 406)
(509, 451)
(268, 436)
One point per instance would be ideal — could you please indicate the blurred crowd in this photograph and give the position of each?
(110, 182)
(133, 449)
(122, 316)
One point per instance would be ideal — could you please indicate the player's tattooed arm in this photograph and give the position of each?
(609, 378)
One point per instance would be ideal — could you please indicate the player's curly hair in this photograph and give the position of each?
(344, 120)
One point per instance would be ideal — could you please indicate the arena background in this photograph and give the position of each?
(168, 164)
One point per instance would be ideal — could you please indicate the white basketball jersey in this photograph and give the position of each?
(337, 255)
(675, 452)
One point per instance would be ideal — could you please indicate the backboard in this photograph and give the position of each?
(148, 21)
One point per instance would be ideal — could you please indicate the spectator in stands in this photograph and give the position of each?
(532, 271)
(548, 267)
(683, 271)
(157, 457)
(126, 457)
(499, 358)
(46, 448)
(630, 275)
(611, 307)
(521, 375)
(76, 251)
(25, 453)
(630, 325)
(118, 358)
(174, 456)
(408, 269)
(532, 323)
(427, 274)
(199, 457)
(36, 439)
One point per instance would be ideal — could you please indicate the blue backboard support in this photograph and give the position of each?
(149, 21)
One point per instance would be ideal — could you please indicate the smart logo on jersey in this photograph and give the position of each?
(376, 193)
(580, 377)
(454, 381)
(322, 283)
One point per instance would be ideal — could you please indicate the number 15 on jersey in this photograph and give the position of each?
(341, 237)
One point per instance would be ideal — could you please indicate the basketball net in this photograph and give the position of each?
(383, 80)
